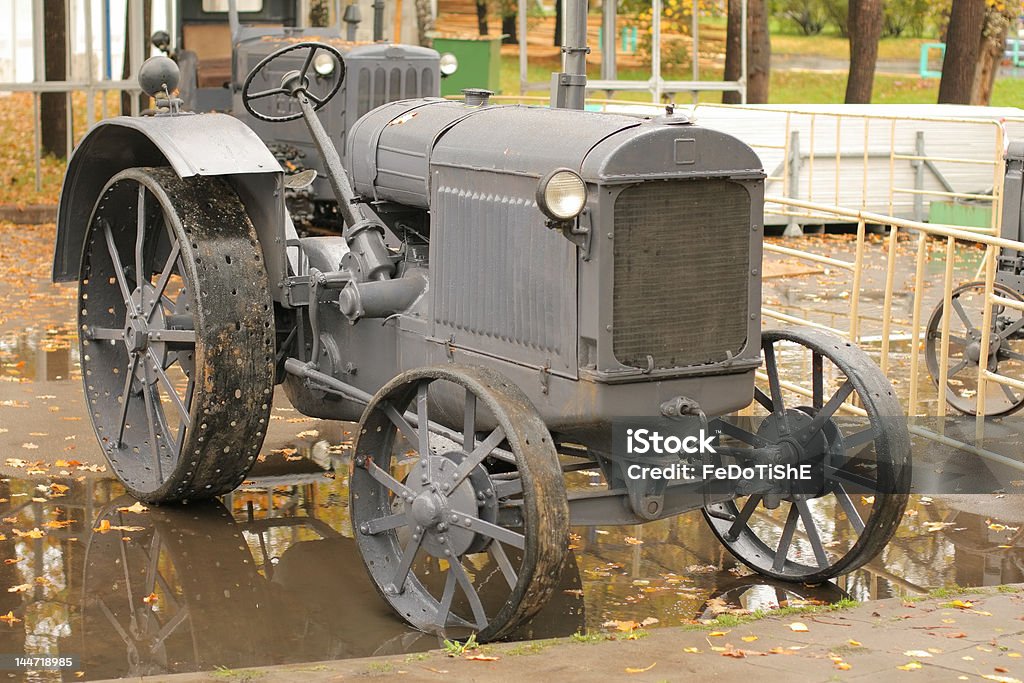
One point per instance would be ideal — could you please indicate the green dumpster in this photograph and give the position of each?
(479, 62)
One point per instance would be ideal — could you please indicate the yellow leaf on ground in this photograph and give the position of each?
(631, 670)
(20, 588)
(633, 541)
(137, 508)
(799, 627)
(10, 619)
(482, 658)
(34, 533)
(917, 653)
(910, 666)
(843, 666)
(962, 604)
(853, 643)
(748, 639)
(717, 634)
(151, 598)
(692, 650)
(867, 500)
(104, 526)
(1000, 679)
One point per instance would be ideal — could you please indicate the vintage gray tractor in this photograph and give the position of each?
(219, 43)
(1005, 353)
(513, 286)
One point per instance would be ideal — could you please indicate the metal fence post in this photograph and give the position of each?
(793, 228)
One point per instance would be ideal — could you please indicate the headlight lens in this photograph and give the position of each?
(323, 64)
(449, 64)
(562, 195)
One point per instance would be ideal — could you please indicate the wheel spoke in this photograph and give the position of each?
(741, 519)
(161, 283)
(862, 483)
(140, 244)
(1007, 354)
(477, 456)
(826, 413)
(957, 368)
(498, 533)
(775, 386)
(104, 333)
(386, 523)
(386, 479)
(505, 564)
(190, 391)
(1012, 329)
(455, 566)
(116, 261)
(818, 379)
(782, 550)
(165, 380)
(740, 434)
(151, 418)
(174, 336)
(1008, 392)
(504, 489)
(125, 397)
(763, 399)
(267, 93)
(423, 423)
(403, 425)
(405, 564)
(956, 339)
(849, 508)
(812, 533)
(309, 61)
(445, 607)
(959, 308)
(172, 624)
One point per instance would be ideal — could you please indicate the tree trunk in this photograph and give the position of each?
(966, 20)
(759, 52)
(865, 28)
(993, 38)
(733, 47)
(147, 29)
(319, 13)
(508, 29)
(53, 110)
(481, 17)
(424, 22)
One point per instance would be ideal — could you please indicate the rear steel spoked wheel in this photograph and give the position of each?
(177, 334)
(860, 464)
(459, 538)
(1005, 355)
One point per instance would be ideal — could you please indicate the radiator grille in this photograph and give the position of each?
(682, 258)
(380, 84)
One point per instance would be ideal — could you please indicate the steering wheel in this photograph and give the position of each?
(293, 82)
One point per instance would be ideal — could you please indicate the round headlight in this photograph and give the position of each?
(449, 64)
(561, 195)
(323, 64)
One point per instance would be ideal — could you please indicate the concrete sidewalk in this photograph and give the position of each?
(971, 636)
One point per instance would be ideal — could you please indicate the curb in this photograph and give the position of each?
(31, 214)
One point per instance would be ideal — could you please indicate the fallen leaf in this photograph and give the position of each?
(799, 627)
(748, 639)
(962, 604)
(692, 650)
(10, 619)
(910, 666)
(917, 653)
(20, 588)
(104, 526)
(632, 541)
(151, 598)
(853, 643)
(1000, 679)
(867, 500)
(843, 666)
(34, 533)
(718, 634)
(482, 658)
(137, 508)
(631, 670)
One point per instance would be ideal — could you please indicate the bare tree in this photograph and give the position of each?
(424, 22)
(865, 28)
(759, 52)
(319, 12)
(53, 110)
(966, 21)
(126, 68)
(481, 17)
(733, 48)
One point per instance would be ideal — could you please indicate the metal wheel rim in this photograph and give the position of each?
(165, 445)
(887, 433)
(545, 508)
(1009, 402)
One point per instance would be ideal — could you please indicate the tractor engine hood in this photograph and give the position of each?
(392, 149)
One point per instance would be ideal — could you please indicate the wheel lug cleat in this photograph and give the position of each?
(364, 529)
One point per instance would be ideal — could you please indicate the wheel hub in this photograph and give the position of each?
(140, 328)
(798, 447)
(436, 506)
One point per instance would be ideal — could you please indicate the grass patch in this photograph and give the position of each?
(226, 673)
(734, 620)
(380, 667)
(533, 647)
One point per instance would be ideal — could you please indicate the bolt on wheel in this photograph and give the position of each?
(859, 460)
(1005, 354)
(463, 531)
(176, 330)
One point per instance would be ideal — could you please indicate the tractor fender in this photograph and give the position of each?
(191, 144)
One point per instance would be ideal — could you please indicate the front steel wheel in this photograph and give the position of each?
(464, 533)
(860, 463)
(176, 329)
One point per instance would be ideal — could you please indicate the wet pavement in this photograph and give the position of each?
(270, 575)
